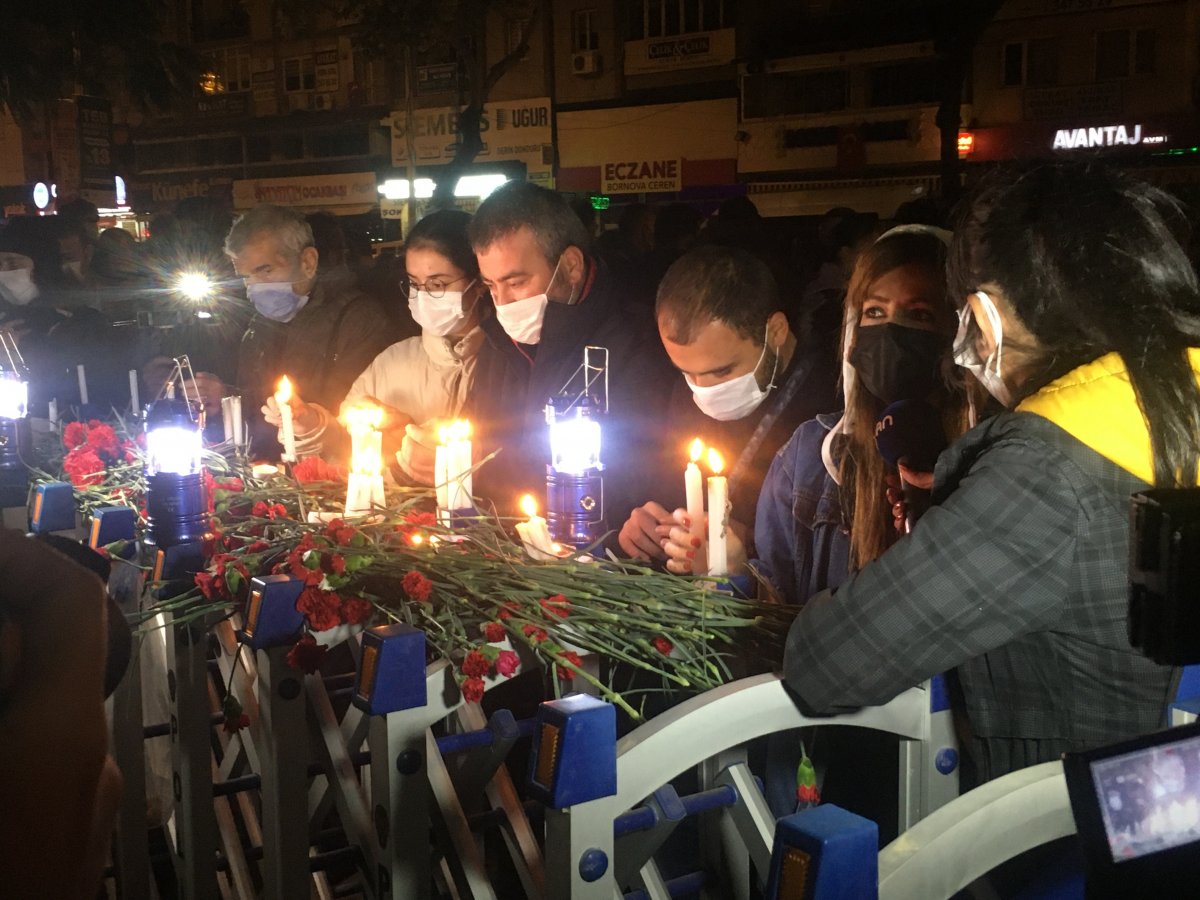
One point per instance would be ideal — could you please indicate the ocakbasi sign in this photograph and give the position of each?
(641, 176)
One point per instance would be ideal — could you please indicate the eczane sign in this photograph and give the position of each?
(641, 176)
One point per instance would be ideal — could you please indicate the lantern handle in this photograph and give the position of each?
(184, 375)
(591, 375)
(15, 360)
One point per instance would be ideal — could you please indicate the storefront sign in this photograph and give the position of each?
(687, 51)
(641, 176)
(158, 194)
(437, 79)
(95, 150)
(232, 104)
(1103, 136)
(356, 188)
(511, 130)
(327, 71)
(1098, 102)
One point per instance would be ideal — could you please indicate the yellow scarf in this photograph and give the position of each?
(1095, 404)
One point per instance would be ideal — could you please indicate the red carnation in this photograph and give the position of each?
(230, 484)
(472, 690)
(417, 586)
(315, 469)
(508, 610)
(257, 547)
(103, 440)
(558, 606)
(494, 632)
(535, 634)
(321, 608)
(74, 434)
(84, 467)
(421, 519)
(260, 510)
(572, 657)
(808, 793)
(476, 664)
(507, 663)
(337, 564)
(307, 654)
(233, 726)
(662, 645)
(204, 580)
(356, 610)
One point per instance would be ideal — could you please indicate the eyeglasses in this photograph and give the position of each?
(434, 287)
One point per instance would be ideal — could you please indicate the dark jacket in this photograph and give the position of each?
(801, 541)
(805, 388)
(1016, 578)
(513, 383)
(331, 340)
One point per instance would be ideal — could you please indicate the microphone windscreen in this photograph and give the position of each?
(910, 430)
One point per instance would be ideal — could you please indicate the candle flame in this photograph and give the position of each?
(362, 418)
(529, 506)
(283, 393)
(417, 539)
(715, 462)
(697, 450)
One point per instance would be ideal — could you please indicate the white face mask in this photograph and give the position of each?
(17, 287)
(438, 315)
(736, 398)
(966, 353)
(522, 319)
(276, 300)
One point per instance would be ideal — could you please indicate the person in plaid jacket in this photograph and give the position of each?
(1081, 317)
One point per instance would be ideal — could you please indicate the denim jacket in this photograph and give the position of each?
(803, 546)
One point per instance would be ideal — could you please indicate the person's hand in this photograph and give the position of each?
(304, 417)
(418, 452)
(58, 789)
(644, 531)
(686, 552)
(895, 493)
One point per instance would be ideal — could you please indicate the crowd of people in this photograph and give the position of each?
(1050, 332)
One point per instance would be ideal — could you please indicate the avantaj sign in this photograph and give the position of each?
(1103, 136)
(639, 176)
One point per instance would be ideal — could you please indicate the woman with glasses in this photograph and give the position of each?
(1081, 317)
(419, 380)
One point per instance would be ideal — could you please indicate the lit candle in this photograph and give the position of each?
(135, 402)
(283, 398)
(364, 486)
(83, 394)
(452, 469)
(695, 489)
(718, 515)
(535, 533)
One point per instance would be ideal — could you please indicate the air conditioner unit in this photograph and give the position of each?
(586, 62)
(324, 102)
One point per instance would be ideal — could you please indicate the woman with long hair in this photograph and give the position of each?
(1080, 315)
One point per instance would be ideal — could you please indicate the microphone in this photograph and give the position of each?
(911, 432)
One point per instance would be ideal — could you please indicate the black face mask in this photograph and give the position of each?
(896, 362)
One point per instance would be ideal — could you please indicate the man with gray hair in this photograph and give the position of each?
(311, 324)
(552, 300)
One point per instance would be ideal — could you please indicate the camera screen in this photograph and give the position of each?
(1150, 798)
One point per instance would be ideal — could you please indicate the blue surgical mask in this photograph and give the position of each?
(276, 300)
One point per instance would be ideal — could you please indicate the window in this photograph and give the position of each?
(905, 83)
(665, 18)
(794, 93)
(228, 70)
(1122, 53)
(299, 74)
(1033, 62)
(583, 30)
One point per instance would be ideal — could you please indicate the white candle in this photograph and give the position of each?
(235, 414)
(227, 418)
(718, 516)
(283, 398)
(694, 484)
(364, 487)
(135, 402)
(83, 394)
(52, 412)
(441, 487)
(452, 466)
(534, 532)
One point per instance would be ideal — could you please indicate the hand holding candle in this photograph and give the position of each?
(283, 397)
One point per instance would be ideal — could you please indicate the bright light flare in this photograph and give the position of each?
(362, 418)
(283, 392)
(715, 462)
(697, 450)
(196, 286)
(529, 506)
(458, 430)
